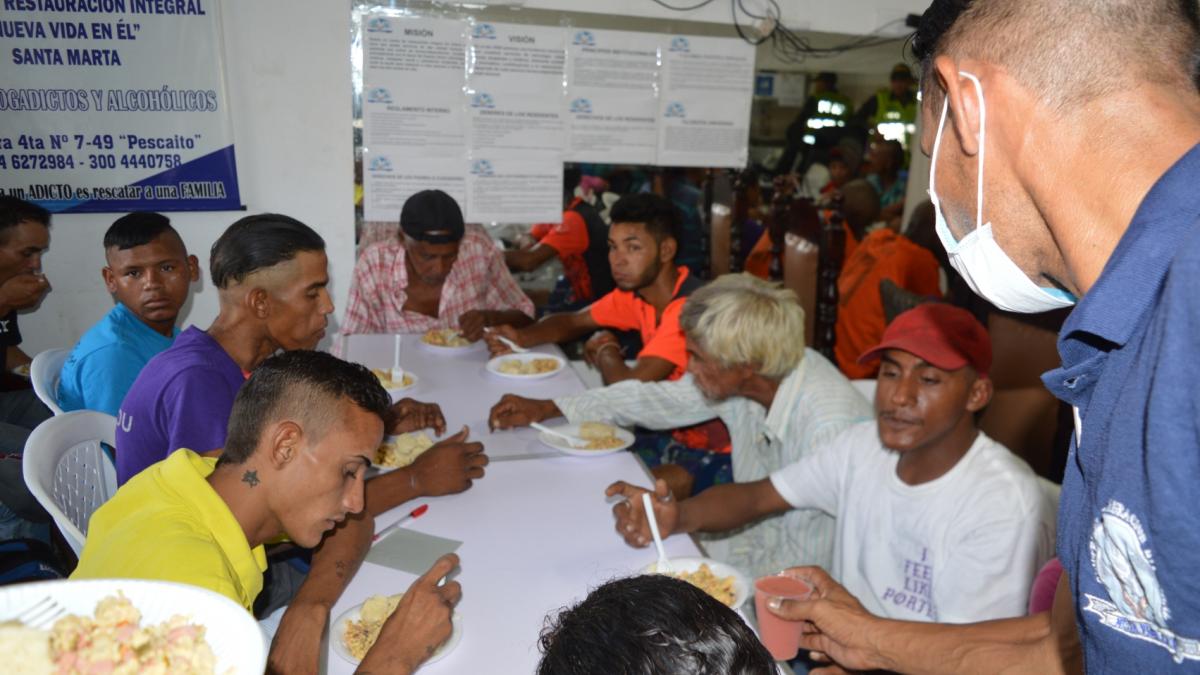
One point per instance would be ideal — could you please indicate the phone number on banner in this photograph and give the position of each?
(49, 161)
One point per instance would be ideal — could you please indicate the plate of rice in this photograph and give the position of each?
(526, 365)
(384, 375)
(603, 439)
(128, 625)
(400, 451)
(723, 582)
(447, 341)
(355, 631)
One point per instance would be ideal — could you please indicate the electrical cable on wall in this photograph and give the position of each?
(787, 44)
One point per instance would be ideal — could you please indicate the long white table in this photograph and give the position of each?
(466, 391)
(537, 531)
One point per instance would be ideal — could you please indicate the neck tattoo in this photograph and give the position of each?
(251, 478)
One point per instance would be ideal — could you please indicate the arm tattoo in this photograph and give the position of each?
(340, 568)
(251, 478)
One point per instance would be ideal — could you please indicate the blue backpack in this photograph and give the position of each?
(23, 560)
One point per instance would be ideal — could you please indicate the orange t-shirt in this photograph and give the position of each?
(758, 261)
(570, 241)
(883, 254)
(661, 338)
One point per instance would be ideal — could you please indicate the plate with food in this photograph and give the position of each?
(400, 451)
(154, 625)
(526, 366)
(723, 582)
(393, 387)
(603, 439)
(355, 631)
(447, 341)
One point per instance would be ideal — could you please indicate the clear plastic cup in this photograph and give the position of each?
(780, 636)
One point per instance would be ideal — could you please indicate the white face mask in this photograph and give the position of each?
(977, 257)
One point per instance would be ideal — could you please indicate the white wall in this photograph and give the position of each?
(851, 17)
(288, 73)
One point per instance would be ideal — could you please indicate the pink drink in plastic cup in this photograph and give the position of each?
(781, 637)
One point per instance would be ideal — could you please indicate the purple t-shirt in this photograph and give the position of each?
(181, 399)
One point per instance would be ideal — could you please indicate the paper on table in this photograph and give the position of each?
(411, 551)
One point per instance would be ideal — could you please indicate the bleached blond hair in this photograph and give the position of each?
(740, 319)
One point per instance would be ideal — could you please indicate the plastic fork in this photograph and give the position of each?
(41, 614)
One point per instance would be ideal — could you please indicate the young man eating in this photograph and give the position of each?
(149, 272)
(651, 290)
(934, 520)
(301, 433)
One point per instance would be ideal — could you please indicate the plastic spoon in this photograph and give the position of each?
(517, 349)
(397, 371)
(574, 441)
(664, 564)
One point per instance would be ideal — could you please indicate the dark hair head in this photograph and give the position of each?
(300, 385)
(15, 211)
(652, 625)
(660, 217)
(1065, 51)
(258, 242)
(137, 229)
(860, 205)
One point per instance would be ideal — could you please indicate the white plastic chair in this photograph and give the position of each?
(68, 472)
(44, 373)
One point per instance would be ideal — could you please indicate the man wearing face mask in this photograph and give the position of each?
(1063, 136)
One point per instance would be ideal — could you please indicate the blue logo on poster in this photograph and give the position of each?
(581, 106)
(379, 95)
(381, 163)
(680, 44)
(675, 109)
(482, 167)
(484, 31)
(584, 38)
(764, 85)
(483, 100)
(379, 24)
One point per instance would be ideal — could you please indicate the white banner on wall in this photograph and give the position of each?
(414, 128)
(704, 106)
(515, 100)
(612, 95)
(118, 107)
(489, 111)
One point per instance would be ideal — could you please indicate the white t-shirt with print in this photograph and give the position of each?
(962, 548)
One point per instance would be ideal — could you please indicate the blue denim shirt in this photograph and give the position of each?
(1129, 517)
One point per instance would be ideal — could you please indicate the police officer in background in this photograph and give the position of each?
(891, 114)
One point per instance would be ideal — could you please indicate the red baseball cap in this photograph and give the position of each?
(942, 335)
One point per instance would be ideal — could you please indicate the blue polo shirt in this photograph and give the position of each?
(1129, 517)
(106, 361)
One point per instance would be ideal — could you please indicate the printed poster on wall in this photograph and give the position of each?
(704, 107)
(612, 96)
(115, 105)
(414, 72)
(513, 190)
(515, 122)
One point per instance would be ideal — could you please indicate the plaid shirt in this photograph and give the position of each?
(479, 279)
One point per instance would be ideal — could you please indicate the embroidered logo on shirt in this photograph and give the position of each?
(1125, 567)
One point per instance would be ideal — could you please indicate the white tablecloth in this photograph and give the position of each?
(537, 532)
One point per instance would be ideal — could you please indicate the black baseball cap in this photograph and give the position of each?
(432, 216)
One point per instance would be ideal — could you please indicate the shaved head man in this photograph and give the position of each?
(1063, 137)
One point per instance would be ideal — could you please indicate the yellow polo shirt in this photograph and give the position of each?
(168, 523)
